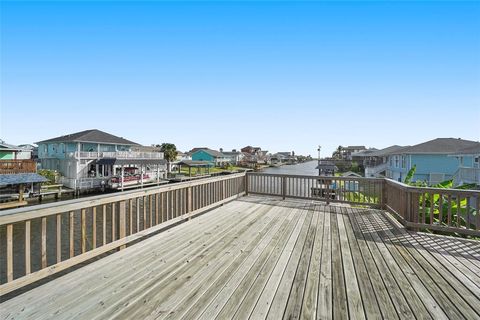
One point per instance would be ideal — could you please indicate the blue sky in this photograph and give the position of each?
(281, 75)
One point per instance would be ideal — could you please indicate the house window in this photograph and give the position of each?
(391, 161)
(396, 161)
(404, 162)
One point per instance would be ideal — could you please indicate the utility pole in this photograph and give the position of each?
(319, 147)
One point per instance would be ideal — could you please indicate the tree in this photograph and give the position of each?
(337, 154)
(169, 153)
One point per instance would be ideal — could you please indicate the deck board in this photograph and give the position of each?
(258, 258)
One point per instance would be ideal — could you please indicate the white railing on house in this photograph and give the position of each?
(116, 154)
(373, 171)
(467, 175)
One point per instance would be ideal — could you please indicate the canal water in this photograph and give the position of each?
(305, 169)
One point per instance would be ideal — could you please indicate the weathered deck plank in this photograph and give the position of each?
(259, 258)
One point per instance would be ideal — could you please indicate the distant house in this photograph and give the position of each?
(212, 156)
(348, 151)
(234, 156)
(181, 156)
(434, 160)
(12, 152)
(469, 166)
(255, 155)
(92, 158)
(375, 162)
(17, 174)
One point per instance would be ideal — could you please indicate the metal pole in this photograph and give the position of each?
(319, 147)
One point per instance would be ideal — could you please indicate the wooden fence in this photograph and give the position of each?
(447, 210)
(17, 166)
(359, 191)
(46, 239)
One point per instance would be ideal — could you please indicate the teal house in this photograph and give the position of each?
(216, 158)
(435, 160)
(90, 158)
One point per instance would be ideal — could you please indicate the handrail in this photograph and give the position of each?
(84, 228)
(43, 210)
(448, 210)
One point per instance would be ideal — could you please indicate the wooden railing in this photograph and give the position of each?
(447, 210)
(61, 235)
(64, 234)
(359, 191)
(17, 166)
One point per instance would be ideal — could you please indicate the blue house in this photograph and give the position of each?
(91, 158)
(214, 157)
(469, 166)
(435, 160)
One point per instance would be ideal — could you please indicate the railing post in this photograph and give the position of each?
(327, 191)
(384, 195)
(413, 203)
(189, 201)
(122, 222)
(246, 183)
(284, 187)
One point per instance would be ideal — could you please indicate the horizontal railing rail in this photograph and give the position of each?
(116, 154)
(45, 239)
(448, 210)
(359, 191)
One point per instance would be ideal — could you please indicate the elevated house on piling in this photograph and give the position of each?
(93, 159)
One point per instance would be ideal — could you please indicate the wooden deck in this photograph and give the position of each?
(260, 257)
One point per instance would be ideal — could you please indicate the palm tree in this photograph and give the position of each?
(169, 153)
(337, 154)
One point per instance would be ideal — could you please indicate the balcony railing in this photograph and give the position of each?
(447, 210)
(115, 154)
(376, 169)
(17, 166)
(467, 175)
(85, 228)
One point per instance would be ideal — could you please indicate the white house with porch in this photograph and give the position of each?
(93, 159)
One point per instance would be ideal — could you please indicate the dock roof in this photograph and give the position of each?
(20, 178)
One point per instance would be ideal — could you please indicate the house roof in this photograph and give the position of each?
(231, 153)
(10, 147)
(351, 174)
(475, 149)
(326, 165)
(196, 149)
(94, 136)
(213, 153)
(386, 151)
(438, 146)
(355, 147)
(21, 178)
(364, 153)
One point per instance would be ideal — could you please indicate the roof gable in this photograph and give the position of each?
(94, 135)
(213, 153)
